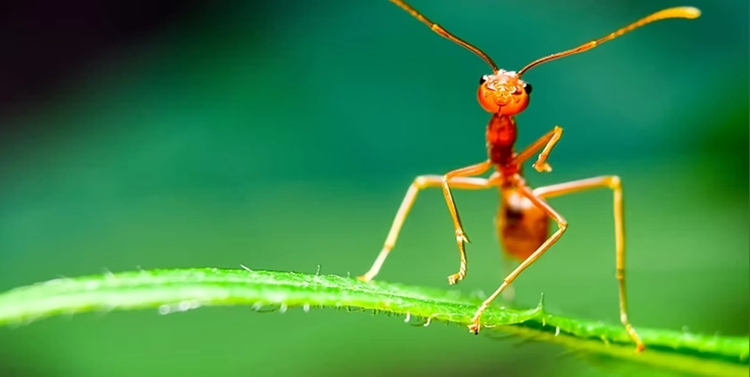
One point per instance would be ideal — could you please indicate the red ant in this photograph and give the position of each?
(524, 216)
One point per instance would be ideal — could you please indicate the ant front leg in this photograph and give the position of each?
(421, 182)
(613, 183)
(547, 141)
(461, 238)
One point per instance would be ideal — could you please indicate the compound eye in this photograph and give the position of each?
(482, 79)
(528, 88)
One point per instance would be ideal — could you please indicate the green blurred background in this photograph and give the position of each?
(284, 135)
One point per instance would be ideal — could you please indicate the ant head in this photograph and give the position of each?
(503, 92)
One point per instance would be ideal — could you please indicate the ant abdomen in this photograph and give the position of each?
(521, 226)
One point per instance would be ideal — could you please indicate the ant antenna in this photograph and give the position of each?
(439, 29)
(678, 12)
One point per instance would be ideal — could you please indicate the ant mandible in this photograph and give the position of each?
(524, 216)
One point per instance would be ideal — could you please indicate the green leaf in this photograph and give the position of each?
(182, 290)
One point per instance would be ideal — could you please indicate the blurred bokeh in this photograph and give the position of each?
(283, 135)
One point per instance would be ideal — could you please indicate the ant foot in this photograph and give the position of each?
(542, 167)
(474, 327)
(364, 278)
(455, 278)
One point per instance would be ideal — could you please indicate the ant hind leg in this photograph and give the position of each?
(613, 183)
(562, 225)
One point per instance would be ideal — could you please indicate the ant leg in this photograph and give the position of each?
(419, 183)
(461, 238)
(562, 226)
(614, 184)
(508, 264)
(509, 294)
(547, 141)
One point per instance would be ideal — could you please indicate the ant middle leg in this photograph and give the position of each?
(461, 238)
(421, 182)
